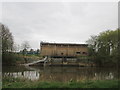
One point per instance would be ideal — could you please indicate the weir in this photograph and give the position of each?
(58, 61)
(44, 60)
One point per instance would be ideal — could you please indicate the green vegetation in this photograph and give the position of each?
(7, 44)
(10, 58)
(23, 83)
(17, 59)
(103, 48)
(9, 54)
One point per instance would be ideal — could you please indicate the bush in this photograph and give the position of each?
(10, 58)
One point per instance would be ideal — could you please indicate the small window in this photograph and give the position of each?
(84, 53)
(61, 53)
(78, 52)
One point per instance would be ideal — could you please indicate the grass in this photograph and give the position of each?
(23, 83)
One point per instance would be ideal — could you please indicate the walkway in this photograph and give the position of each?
(35, 62)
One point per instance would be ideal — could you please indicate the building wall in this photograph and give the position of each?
(61, 50)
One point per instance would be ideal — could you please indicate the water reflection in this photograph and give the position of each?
(109, 76)
(64, 74)
(31, 75)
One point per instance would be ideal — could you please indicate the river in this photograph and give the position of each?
(58, 73)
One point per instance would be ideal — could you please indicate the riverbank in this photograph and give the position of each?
(23, 83)
(14, 59)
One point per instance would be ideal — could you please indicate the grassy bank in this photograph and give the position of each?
(23, 83)
(12, 59)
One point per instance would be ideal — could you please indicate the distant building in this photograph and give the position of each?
(63, 49)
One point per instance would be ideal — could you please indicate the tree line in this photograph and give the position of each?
(104, 48)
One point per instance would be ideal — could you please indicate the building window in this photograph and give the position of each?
(78, 52)
(61, 53)
(84, 52)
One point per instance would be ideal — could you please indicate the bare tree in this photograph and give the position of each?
(16, 47)
(25, 46)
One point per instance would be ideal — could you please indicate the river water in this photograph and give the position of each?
(62, 74)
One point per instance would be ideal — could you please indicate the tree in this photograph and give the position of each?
(38, 51)
(105, 47)
(31, 51)
(92, 44)
(16, 47)
(6, 42)
(7, 39)
(25, 47)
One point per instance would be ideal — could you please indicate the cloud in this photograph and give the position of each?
(58, 21)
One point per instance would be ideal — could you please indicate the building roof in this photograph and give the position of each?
(64, 44)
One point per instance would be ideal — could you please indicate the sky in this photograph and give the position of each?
(58, 22)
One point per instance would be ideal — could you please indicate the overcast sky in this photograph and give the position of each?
(64, 22)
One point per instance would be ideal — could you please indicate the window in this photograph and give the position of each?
(78, 52)
(84, 53)
(61, 53)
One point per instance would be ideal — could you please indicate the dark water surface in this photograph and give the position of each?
(61, 74)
